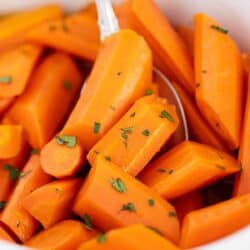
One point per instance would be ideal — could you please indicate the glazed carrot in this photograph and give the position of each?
(52, 203)
(60, 160)
(14, 215)
(129, 201)
(123, 12)
(197, 125)
(219, 94)
(13, 27)
(68, 234)
(57, 80)
(16, 66)
(90, 10)
(242, 184)
(246, 61)
(187, 203)
(4, 235)
(5, 103)
(172, 55)
(213, 222)
(136, 237)
(139, 135)
(187, 167)
(11, 137)
(187, 34)
(77, 34)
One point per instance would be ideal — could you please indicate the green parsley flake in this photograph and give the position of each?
(67, 84)
(128, 207)
(146, 132)
(101, 238)
(34, 151)
(107, 158)
(5, 79)
(24, 174)
(166, 115)
(87, 222)
(148, 92)
(151, 202)
(155, 230)
(2, 204)
(172, 214)
(161, 170)
(14, 173)
(97, 126)
(69, 140)
(220, 29)
(118, 185)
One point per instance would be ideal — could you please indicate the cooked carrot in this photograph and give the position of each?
(61, 160)
(199, 128)
(90, 10)
(219, 77)
(57, 80)
(111, 198)
(123, 12)
(14, 215)
(136, 237)
(52, 203)
(242, 183)
(16, 66)
(139, 135)
(77, 34)
(172, 55)
(13, 27)
(187, 34)
(188, 203)
(152, 89)
(246, 62)
(187, 167)
(213, 222)
(11, 137)
(5, 103)
(68, 234)
(4, 235)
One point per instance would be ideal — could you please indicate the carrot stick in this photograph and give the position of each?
(4, 235)
(77, 34)
(136, 237)
(11, 137)
(129, 201)
(219, 77)
(5, 103)
(242, 184)
(246, 62)
(199, 128)
(172, 55)
(187, 167)
(90, 10)
(13, 27)
(57, 80)
(68, 234)
(138, 136)
(213, 222)
(16, 66)
(52, 203)
(14, 215)
(188, 203)
(123, 12)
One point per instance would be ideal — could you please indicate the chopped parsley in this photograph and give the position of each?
(220, 29)
(68, 140)
(101, 238)
(148, 92)
(14, 173)
(34, 151)
(172, 214)
(151, 202)
(166, 115)
(161, 170)
(2, 204)
(67, 84)
(107, 158)
(118, 185)
(97, 126)
(128, 207)
(87, 222)
(5, 79)
(146, 132)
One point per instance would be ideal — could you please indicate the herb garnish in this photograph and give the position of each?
(118, 185)
(172, 214)
(67, 84)
(97, 126)
(148, 92)
(14, 172)
(124, 134)
(68, 140)
(221, 167)
(34, 151)
(5, 79)
(146, 132)
(101, 238)
(166, 115)
(128, 207)
(87, 222)
(151, 202)
(133, 114)
(107, 158)
(161, 170)
(2, 204)
(220, 29)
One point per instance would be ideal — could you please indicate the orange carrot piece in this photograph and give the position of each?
(123, 12)
(199, 128)
(52, 203)
(14, 215)
(213, 222)
(139, 135)
(13, 27)
(246, 62)
(187, 167)
(68, 234)
(5, 103)
(188, 203)
(16, 66)
(136, 237)
(172, 55)
(62, 161)
(11, 137)
(4, 235)
(242, 183)
(132, 202)
(219, 75)
(187, 34)
(57, 80)
(77, 34)
(90, 10)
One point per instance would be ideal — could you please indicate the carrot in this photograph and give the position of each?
(122, 11)
(187, 34)
(152, 89)
(77, 34)
(136, 237)
(90, 10)
(187, 167)
(16, 66)
(13, 27)
(219, 77)
(138, 136)
(61, 160)
(246, 61)
(57, 80)
(11, 137)
(188, 203)
(213, 222)
(242, 184)
(52, 203)
(5, 103)
(14, 215)
(171, 54)
(129, 201)
(199, 128)
(68, 234)
(4, 235)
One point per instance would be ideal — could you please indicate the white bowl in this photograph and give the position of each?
(232, 14)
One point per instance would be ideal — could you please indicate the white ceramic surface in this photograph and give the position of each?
(232, 14)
